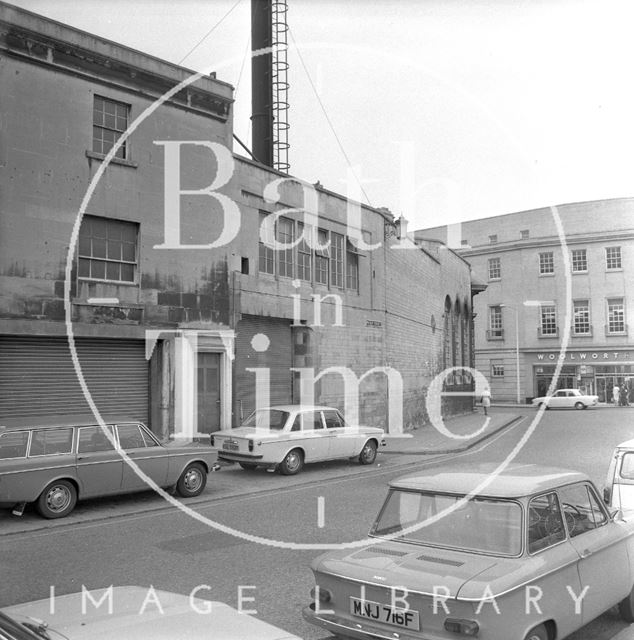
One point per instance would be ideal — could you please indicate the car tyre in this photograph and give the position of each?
(57, 500)
(248, 466)
(579, 405)
(368, 453)
(626, 607)
(538, 633)
(192, 481)
(292, 463)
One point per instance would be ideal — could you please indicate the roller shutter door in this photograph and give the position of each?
(37, 377)
(278, 358)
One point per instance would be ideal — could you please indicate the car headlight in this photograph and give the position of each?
(323, 595)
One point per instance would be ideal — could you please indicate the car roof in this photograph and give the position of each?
(515, 481)
(44, 422)
(628, 444)
(300, 407)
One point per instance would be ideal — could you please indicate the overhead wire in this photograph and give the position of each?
(328, 120)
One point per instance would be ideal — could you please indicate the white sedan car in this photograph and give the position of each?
(286, 436)
(566, 398)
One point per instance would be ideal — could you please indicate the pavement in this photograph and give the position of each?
(456, 434)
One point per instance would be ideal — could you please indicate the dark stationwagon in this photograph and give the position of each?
(56, 462)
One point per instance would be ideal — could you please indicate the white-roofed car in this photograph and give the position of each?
(132, 612)
(285, 437)
(566, 399)
(529, 553)
(618, 492)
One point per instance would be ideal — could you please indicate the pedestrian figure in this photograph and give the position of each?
(623, 395)
(615, 394)
(486, 400)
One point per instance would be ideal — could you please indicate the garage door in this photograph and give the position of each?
(37, 377)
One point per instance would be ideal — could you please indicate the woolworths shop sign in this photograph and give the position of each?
(587, 355)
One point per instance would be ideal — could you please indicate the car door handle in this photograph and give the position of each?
(585, 553)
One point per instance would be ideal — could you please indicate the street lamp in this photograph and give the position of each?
(517, 348)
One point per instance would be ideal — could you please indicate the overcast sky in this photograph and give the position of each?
(447, 110)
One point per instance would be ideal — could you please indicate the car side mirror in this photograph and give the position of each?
(607, 495)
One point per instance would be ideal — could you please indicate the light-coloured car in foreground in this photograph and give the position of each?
(134, 613)
(287, 436)
(529, 554)
(619, 485)
(58, 461)
(566, 399)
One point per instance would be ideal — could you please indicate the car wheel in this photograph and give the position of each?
(248, 466)
(579, 405)
(368, 453)
(57, 500)
(538, 633)
(292, 463)
(192, 481)
(626, 607)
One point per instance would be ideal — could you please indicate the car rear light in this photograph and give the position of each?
(211, 440)
(459, 625)
(323, 595)
(251, 445)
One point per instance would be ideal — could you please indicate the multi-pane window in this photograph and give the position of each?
(495, 269)
(109, 121)
(322, 258)
(613, 257)
(304, 254)
(616, 315)
(107, 249)
(579, 260)
(497, 368)
(352, 268)
(546, 263)
(285, 235)
(336, 260)
(495, 322)
(493, 238)
(548, 320)
(524, 234)
(267, 254)
(581, 316)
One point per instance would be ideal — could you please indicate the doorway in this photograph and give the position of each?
(208, 409)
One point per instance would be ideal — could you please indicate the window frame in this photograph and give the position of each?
(544, 322)
(576, 260)
(92, 258)
(494, 266)
(496, 322)
(546, 259)
(608, 258)
(99, 144)
(497, 369)
(580, 304)
(610, 304)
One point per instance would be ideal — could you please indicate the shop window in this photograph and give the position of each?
(548, 321)
(579, 260)
(107, 250)
(581, 318)
(613, 258)
(109, 122)
(546, 263)
(495, 269)
(616, 316)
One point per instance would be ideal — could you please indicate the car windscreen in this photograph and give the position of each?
(14, 630)
(274, 419)
(479, 524)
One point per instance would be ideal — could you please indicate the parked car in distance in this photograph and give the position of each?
(61, 460)
(618, 492)
(533, 554)
(566, 399)
(136, 613)
(287, 436)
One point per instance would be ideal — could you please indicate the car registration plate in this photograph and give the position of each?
(404, 618)
(230, 446)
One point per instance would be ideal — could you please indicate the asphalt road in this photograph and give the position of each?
(171, 551)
